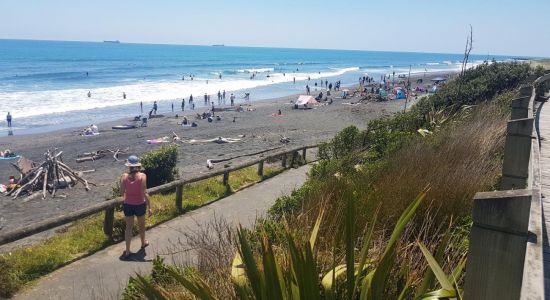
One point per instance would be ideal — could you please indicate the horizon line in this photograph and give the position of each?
(293, 48)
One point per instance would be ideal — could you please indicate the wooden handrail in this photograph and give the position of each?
(505, 259)
(26, 231)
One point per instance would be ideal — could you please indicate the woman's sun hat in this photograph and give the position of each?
(133, 161)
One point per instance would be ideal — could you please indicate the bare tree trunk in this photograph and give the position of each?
(467, 50)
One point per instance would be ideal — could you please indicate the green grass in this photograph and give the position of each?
(85, 236)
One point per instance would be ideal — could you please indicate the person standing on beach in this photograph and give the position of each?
(223, 96)
(141, 106)
(205, 99)
(307, 89)
(294, 80)
(8, 119)
(232, 99)
(183, 104)
(190, 99)
(155, 107)
(172, 106)
(133, 186)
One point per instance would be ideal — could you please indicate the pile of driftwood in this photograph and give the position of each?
(92, 156)
(49, 176)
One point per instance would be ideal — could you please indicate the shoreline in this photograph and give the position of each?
(97, 115)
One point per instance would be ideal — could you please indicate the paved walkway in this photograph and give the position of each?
(103, 276)
(544, 131)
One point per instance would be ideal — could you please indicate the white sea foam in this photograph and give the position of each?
(259, 70)
(36, 103)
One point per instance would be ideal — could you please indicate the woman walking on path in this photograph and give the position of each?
(136, 201)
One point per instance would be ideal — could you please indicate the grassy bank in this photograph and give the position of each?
(86, 236)
(445, 149)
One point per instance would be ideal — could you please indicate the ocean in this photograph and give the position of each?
(45, 84)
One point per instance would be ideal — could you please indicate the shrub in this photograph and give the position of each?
(160, 165)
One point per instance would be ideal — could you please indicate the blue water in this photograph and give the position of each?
(44, 84)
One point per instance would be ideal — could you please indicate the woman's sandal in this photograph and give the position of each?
(145, 245)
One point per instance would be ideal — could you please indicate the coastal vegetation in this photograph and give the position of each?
(385, 213)
(84, 237)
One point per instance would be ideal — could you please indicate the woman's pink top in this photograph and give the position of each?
(133, 190)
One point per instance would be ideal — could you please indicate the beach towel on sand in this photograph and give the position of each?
(159, 140)
(9, 157)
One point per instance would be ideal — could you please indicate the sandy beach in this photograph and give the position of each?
(261, 129)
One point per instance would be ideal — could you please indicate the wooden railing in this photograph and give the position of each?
(178, 185)
(505, 255)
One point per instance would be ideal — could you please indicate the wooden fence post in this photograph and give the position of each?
(517, 152)
(520, 108)
(293, 160)
(226, 178)
(108, 222)
(261, 169)
(283, 163)
(304, 154)
(498, 241)
(179, 198)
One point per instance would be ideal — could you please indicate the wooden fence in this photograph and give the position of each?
(178, 185)
(505, 256)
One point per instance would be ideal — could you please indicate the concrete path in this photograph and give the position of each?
(103, 276)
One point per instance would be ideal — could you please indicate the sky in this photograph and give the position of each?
(520, 28)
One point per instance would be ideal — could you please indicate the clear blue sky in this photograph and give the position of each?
(500, 26)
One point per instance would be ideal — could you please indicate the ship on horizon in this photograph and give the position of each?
(112, 42)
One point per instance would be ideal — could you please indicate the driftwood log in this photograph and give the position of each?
(49, 176)
(210, 162)
(92, 156)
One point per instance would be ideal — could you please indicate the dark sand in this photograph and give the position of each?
(262, 130)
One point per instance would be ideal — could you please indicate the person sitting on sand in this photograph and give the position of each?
(279, 112)
(12, 184)
(7, 153)
(184, 122)
(320, 96)
(88, 131)
(218, 118)
(133, 186)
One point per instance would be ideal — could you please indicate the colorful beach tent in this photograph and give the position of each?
(400, 94)
(305, 99)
